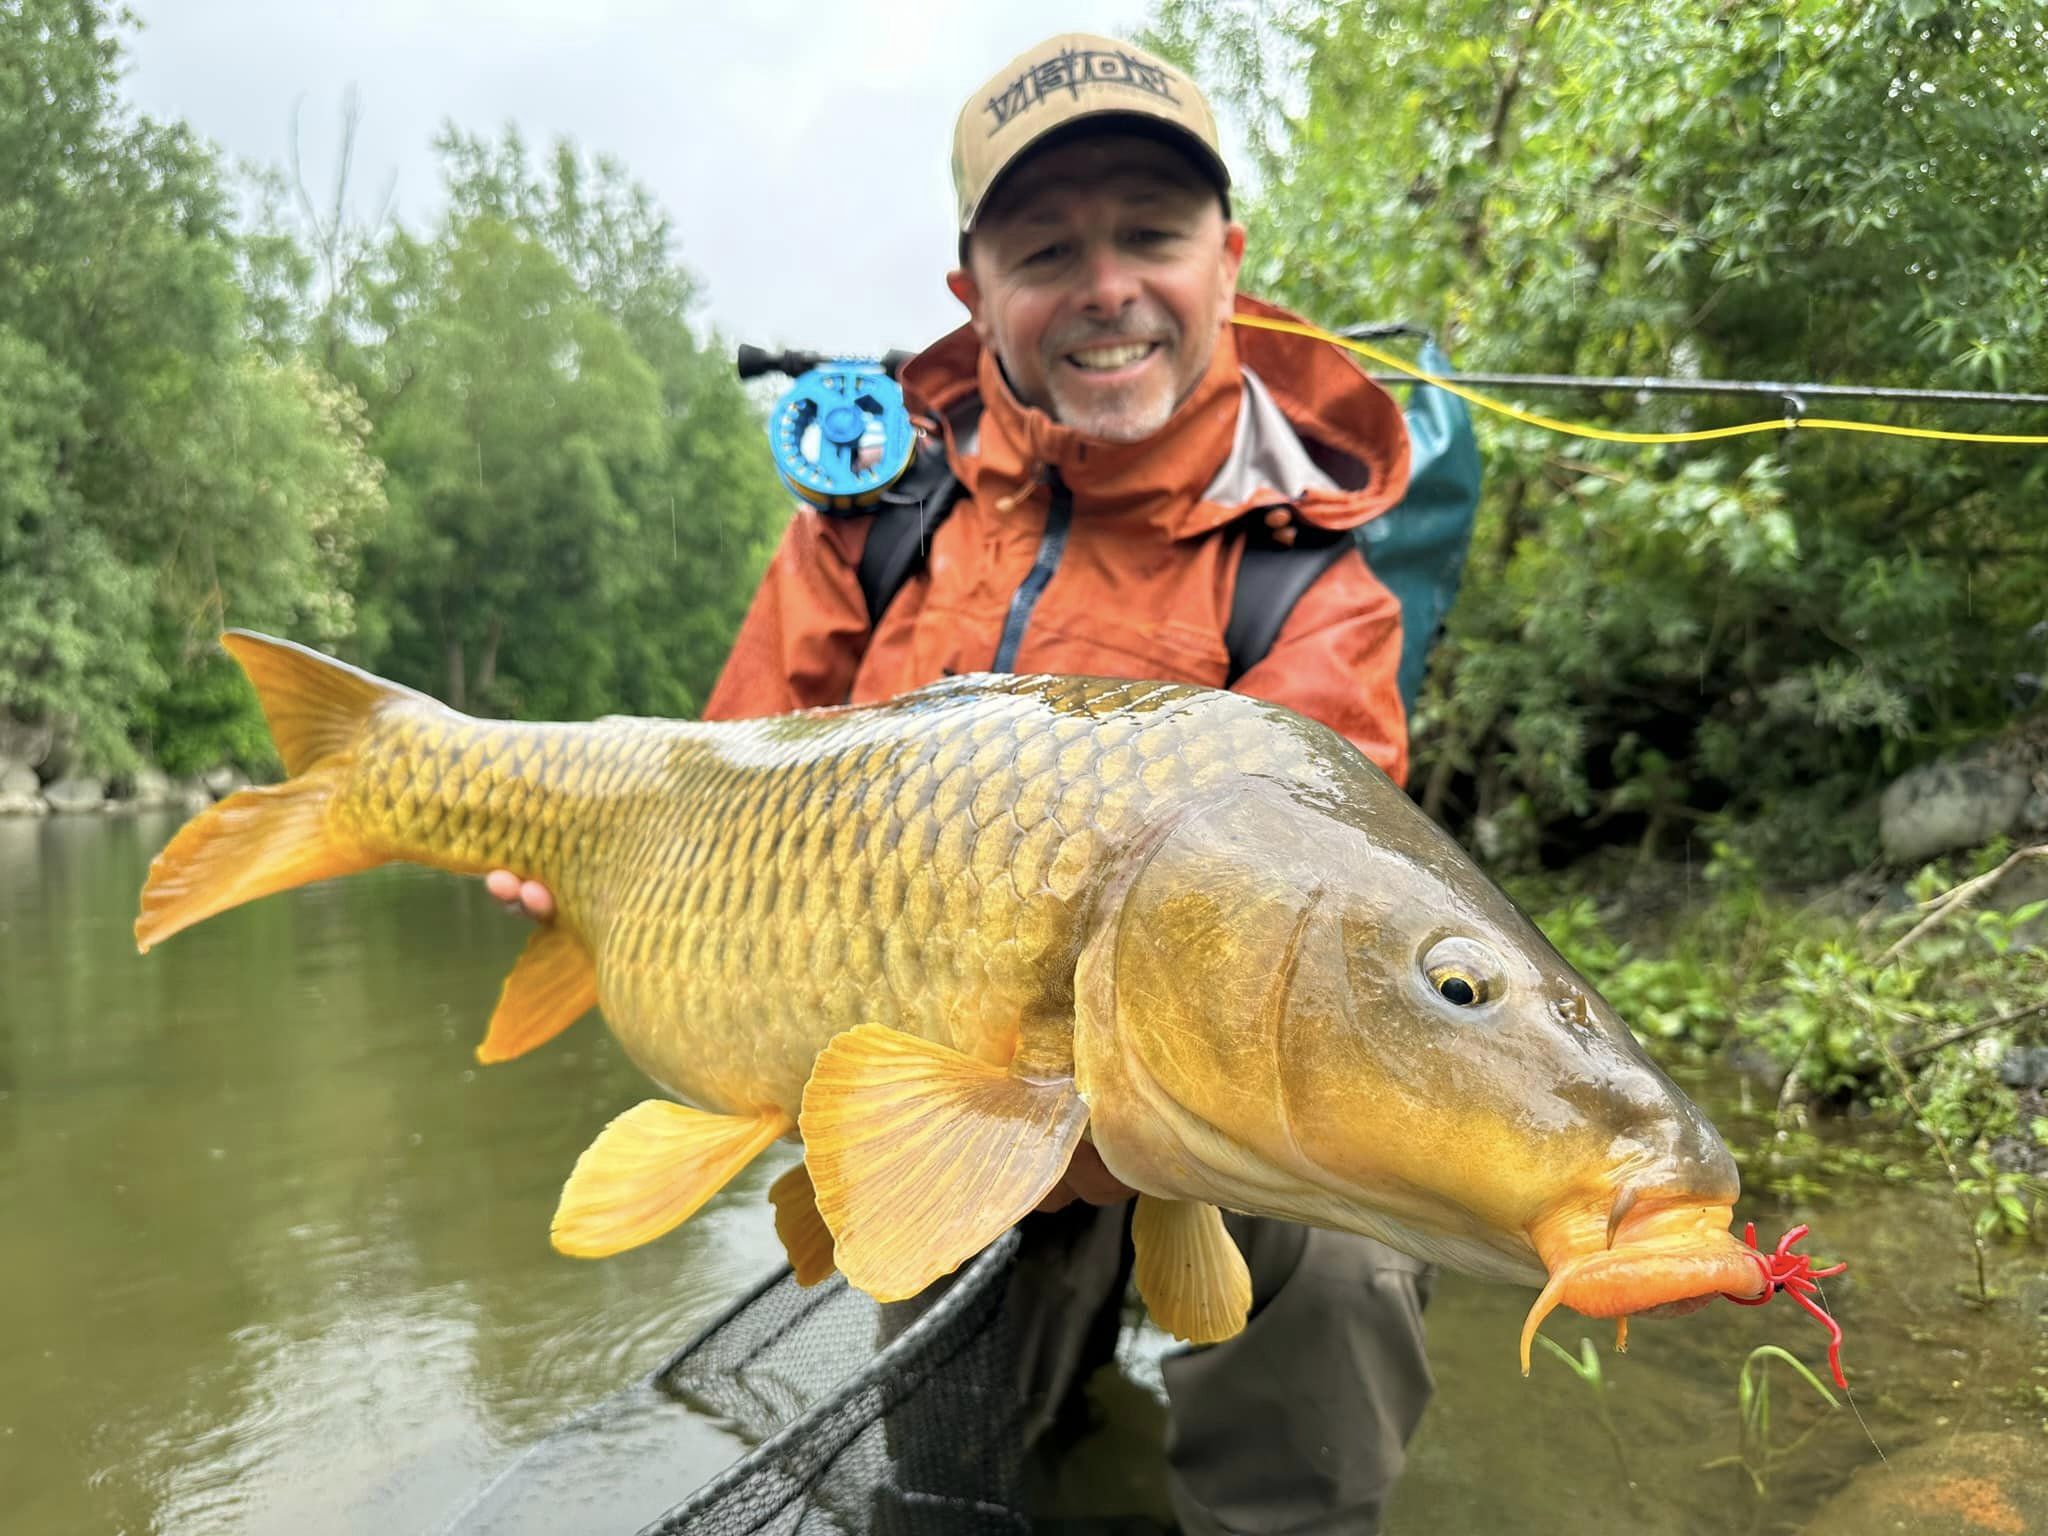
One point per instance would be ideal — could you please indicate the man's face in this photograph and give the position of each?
(1100, 277)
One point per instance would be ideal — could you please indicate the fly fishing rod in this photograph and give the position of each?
(1797, 394)
(842, 434)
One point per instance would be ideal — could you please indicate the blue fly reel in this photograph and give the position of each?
(842, 435)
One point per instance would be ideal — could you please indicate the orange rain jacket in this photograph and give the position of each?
(1141, 586)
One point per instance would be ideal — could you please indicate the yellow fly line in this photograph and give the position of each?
(1606, 435)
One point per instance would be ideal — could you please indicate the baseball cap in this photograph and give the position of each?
(1066, 80)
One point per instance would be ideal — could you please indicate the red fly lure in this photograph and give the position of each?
(1794, 1274)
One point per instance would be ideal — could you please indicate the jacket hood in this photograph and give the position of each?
(1276, 420)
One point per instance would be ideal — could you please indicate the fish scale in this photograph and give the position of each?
(749, 889)
(945, 938)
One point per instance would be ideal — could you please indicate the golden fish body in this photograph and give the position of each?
(941, 939)
(750, 889)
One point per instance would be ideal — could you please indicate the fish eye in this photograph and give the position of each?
(1463, 973)
(1456, 987)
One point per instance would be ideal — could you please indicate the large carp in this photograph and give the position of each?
(940, 940)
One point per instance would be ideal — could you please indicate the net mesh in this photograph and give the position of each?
(861, 1422)
(830, 1415)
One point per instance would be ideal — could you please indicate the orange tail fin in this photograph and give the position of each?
(261, 841)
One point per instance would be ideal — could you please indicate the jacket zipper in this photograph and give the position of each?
(1052, 544)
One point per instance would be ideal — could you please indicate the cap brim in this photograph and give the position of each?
(1142, 124)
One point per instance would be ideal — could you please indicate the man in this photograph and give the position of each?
(1118, 442)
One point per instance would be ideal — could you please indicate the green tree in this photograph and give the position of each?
(581, 494)
(1760, 629)
(68, 605)
(264, 492)
(160, 480)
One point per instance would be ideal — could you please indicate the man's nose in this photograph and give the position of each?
(1108, 282)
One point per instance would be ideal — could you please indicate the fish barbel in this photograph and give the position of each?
(940, 940)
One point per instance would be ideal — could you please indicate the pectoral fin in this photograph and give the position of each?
(650, 1170)
(922, 1156)
(553, 985)
(805, 1237)
(1193, 1280)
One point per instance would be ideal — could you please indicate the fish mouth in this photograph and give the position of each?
(1656, 1254)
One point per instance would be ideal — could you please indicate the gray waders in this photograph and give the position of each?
(1299, 1425)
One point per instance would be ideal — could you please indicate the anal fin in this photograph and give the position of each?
(553, 985)
(922, 1156)
(805, 1237)
(650, 1170)
(1193, 1280)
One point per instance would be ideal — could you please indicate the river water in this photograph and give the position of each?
(274, 1257)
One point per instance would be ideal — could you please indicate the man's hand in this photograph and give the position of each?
(1086, 1179)
(1281, 521)
(527, 897)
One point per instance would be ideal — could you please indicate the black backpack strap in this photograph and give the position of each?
(906, 517)
(897, 540)
(1271, 578)
(903, 522)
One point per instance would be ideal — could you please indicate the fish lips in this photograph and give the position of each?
(1662, 1255)
(1650, 1254)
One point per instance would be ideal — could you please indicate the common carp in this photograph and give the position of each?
(942, 939)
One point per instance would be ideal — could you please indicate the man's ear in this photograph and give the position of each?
(968, 292)
(1233, 262)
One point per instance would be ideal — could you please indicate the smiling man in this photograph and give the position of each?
(1098, 276)
(1101, 445)
(1102, 453)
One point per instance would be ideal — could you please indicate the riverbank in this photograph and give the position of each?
(1916, 1001)
(148, 789)
(39, 777)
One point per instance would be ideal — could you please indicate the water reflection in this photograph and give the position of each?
(277, 1249)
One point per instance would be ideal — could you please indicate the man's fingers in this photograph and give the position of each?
(1087, 1179)
(528, 898)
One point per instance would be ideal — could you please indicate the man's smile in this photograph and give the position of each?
(1110, 358)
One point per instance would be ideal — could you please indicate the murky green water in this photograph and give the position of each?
(274, 1258)
(275, 1249)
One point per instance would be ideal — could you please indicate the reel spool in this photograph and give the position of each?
(837, 415)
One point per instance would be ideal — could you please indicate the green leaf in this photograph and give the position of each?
(1775, 1352)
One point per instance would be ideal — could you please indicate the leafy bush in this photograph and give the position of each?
(1746, 636)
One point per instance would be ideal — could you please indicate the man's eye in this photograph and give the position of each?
(1045, 253)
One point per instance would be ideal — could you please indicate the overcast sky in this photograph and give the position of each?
(800, 146)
